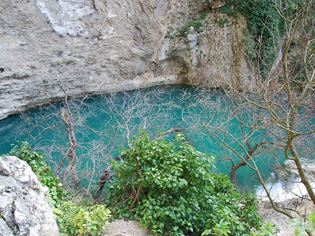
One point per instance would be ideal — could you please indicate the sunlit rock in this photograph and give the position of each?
(24, 208)
(96, 47)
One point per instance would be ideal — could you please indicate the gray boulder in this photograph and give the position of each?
(126, 228)
(24, 208)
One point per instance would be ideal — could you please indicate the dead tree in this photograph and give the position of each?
(71, 153)
(285, 91)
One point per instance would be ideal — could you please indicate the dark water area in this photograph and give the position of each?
(103, 125)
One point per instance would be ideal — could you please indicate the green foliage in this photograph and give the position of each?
(266, 230)
(45, 175)
(264, 23)
(303, 226)
(249, 45)
(72, 218)
(220, 229)
(203, 15)
(82, 219)
(221, 21)
(195, 24)
(171, 187)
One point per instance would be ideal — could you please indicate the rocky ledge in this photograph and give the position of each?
(49, 48)
(24, 209)
(285, 183)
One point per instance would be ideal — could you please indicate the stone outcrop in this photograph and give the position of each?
(126, 228)
(49, 48)
(289, 171)
(287, 192)
(24, 208)
(286, 184)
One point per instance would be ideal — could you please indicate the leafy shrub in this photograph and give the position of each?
(221, 21)
(195, 24)
(76, 219)
(171, 187)
(266, 230)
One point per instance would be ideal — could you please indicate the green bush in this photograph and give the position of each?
(221, 21)
(85, 219)
(195, 24)
(171, 188)
(267, 229)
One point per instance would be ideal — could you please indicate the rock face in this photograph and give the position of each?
(289, 170)
(49, 48)
(286, 184)
(24, 208)
(126, 228)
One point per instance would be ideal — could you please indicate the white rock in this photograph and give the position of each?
(24, 207)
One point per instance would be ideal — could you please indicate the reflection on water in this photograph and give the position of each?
(103, 125)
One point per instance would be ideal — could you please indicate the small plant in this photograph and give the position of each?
(82, 219)
(302, 227)
(220, 229)
(266, 230)
(195, 24)
(221, 21)
(203, 16)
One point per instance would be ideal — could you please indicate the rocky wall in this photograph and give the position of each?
(50, 48)
(24, 208)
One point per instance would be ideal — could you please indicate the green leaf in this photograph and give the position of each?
(179, 192)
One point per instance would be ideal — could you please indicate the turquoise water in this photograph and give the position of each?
(104, 123)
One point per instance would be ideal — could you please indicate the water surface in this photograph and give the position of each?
(104, 124)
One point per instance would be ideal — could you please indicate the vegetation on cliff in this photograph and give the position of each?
(73, 217)
(265, 26)
(168, 185)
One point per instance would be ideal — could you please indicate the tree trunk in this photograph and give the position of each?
(302, 174)
(234, 168)
(243, 162)
(71, 153)
(105, 177)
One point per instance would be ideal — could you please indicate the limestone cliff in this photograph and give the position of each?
(99, 46)
(24, 209)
